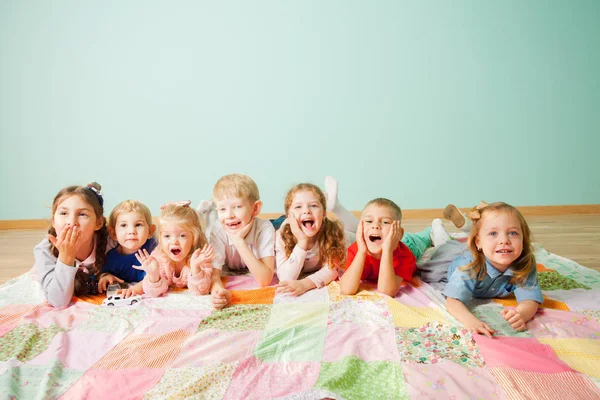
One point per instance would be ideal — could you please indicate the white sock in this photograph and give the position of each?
(333, 205)
(439, 236)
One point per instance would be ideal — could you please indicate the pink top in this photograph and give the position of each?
(198, 284)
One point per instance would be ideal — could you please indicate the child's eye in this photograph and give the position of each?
(385, 222)
(513, 233)
(139, 224)
(315, 206)
(368, 221)
(62, 213)
(297, 207)
(493, 233)
(122, 225)
(83, 215)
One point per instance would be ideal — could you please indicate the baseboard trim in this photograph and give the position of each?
(426, 213)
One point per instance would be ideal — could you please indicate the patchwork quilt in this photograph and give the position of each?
(319, 345)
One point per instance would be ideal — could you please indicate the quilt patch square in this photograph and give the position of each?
(353, 378)
(241, 317)
(255, 379)
(289, 315)
(217, 346)
(206, 382)
(349, 340)
(360, 312)
(298, 343)
(26, 342)
(411, 316)
(255, 296)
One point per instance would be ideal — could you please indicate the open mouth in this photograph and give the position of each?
(375, 238)
(308, 223)
(234, 225)
(504, 251)
(175, 252)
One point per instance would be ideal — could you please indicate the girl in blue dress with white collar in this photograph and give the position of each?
(499, 261)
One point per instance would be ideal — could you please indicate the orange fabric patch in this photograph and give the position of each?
(255, 296)
(93, 299)
(511, 301)
(541, 268)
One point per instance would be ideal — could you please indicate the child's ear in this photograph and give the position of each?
(112, 233)
(257, 208)
(99, 223)
(152, 230)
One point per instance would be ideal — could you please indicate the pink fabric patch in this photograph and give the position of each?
(161, 321)
(449, 380)
(519, 353)
(254, 379)
(346, 340)
(120, 384)
(245, 282)
(66, 318)
(412, 296)
(534, 385)
(550, 324)
(74, 351)
(217, 346)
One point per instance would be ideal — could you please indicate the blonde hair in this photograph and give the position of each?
(522, 266)
(188, 219)
(128, 206)
(383, 202)
(91, 195)
(236, 185)
(332, 244)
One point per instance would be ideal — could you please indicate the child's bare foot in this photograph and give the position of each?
(331, 191)
(204, 206)
(439, 236)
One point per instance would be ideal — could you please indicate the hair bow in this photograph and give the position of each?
(475, 212)
(96, 192)
(183, 203)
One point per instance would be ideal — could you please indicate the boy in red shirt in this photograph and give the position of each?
(378, 254)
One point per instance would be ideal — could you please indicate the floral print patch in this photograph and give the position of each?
(361, 312)
(241, 317)
(26, 342)
(207, 382)
(434, 342)
(38, 382)
(552, 280)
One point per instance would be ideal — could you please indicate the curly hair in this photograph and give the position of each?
(330, 238)
(90, 195)
(185, 217)
(522, 266)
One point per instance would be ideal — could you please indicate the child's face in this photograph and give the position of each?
(377, 221)
(131, 231)
(234, 213)
(309, 212)
(75, 211)
(175, 241)
(500, 238)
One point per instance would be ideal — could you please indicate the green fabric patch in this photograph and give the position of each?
(353, 378)
(298, 343)
(38, 382)
(490, 314)
(435, 342)
(241, 317)
(26, 342)
(552, 280)
(208, 382)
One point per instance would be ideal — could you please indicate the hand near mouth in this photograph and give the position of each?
(149, 264)
(393, 237)
(298, 232)
(360, 238)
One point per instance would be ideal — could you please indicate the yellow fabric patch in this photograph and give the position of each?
(335, 294)
(582, 355)
(413, 317)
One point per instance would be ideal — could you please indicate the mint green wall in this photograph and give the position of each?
(423, 102)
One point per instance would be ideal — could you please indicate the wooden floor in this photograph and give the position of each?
(572, 236)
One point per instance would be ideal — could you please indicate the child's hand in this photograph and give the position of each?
(480, 328)
(237, 238)
(149, 264)
(294, 288)
(132, 291)
(67, 244)
(360, 238)
(393, 237)
(220, 298)
(514, 318)
(107, 279)
(201, 258)
(297, 231)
